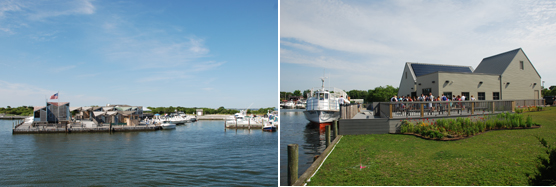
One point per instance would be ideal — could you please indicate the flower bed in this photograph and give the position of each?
(523, 109)
(459, 128)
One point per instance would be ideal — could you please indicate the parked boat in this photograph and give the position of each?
(272, 123)
(299, 104)
(289, 105)
(322, 105)
(167, 125)
(241, 118)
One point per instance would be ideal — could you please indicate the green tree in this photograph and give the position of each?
(381, 94)
(297, 93)
(305, 93)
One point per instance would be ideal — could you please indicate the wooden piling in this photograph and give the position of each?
(293, 160)
(327, 134)
(335, 128)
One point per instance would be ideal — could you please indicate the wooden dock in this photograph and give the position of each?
(13, 117)
(27, 127)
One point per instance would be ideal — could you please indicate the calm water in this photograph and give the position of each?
(295, 129)
(200, 153)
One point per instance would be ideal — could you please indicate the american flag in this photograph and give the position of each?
(55, 96)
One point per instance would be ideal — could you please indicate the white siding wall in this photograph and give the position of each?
(426, 82)
(406, 83)
(521, 81)
(468, 82)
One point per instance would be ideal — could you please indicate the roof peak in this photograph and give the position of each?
(437, 64)
(510, 51)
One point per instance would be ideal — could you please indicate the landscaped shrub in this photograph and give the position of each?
(464, 126)
(529, 121)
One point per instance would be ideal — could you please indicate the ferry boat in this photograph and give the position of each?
(322, 105)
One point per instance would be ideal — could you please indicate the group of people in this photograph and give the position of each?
(431, 107)
(430, 97)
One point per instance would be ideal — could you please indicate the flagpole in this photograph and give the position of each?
(58, 118)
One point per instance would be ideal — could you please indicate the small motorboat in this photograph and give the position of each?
(269, 127)
(167, 125)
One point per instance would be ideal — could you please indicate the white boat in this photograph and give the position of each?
(300, 104)
(272, 123)
(322, 105)
(167, 125)
(242, 119)
(289, 105)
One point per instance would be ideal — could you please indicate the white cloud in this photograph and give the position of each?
(380, 36)
(9, 6)
(19, 94)
(60, 8)
(62, 68)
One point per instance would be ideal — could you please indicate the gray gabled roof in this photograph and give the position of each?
(496, 64)
(420, 69)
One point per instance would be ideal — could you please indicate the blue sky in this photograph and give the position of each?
(365, 44)
(147, 53)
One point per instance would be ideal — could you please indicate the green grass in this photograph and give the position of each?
(501, 157)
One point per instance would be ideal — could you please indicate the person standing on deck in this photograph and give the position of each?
(472, 98)
(431, 98)
(463, 99)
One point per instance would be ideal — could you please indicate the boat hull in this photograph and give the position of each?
(168, 126)
(321, 116)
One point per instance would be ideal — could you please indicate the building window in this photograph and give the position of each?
(495, 95)
(448, 95)
(481, 96)
(426, 91)
(521, 64)
(466, 94)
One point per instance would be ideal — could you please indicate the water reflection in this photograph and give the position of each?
(296, 129)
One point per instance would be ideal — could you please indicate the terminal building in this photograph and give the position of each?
(506, 76)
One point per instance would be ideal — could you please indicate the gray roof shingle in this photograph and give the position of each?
(496, 64)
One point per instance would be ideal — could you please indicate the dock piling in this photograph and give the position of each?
(327, 135)
(335, 128)
(293, 160)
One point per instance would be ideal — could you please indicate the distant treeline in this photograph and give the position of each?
(221, 110)
(378, 94)
(550, 91)
(21, 111)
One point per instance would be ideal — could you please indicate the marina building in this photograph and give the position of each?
(509, 76)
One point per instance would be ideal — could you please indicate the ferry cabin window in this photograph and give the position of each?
(495, 95)
(321, 96)
(325, 96)
(481, 96)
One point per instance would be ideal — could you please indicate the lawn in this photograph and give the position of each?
(499, 157)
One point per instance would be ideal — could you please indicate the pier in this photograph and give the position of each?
(80, 126)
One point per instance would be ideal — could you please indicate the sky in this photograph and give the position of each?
(208, 53)
(361, 45)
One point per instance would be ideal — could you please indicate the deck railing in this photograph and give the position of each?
(348, 111)
(450, 108)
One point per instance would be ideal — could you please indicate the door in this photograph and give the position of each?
(536, 94)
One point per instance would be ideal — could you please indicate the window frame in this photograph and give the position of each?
(479, 96)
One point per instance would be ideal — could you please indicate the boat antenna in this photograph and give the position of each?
(322, 78)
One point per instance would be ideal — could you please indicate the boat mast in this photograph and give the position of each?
(322, 78)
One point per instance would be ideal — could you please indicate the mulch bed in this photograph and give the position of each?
(464, 136)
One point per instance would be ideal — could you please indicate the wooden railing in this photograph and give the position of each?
(450, 108)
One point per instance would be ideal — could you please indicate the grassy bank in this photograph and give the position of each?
(500, 157)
